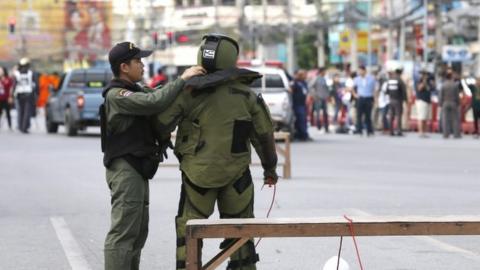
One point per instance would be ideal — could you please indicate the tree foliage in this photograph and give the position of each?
(305, 50)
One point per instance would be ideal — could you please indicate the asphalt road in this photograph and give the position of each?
(54, 202)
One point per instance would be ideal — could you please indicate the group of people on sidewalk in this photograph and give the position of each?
(384, 97)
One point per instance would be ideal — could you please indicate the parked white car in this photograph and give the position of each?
(274, 87)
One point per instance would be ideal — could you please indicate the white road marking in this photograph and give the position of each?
(431, 240)
(450, 248)
(70, 246)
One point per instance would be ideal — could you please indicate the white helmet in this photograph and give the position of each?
(24, 61)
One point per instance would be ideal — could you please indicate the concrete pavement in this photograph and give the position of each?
(53, 192)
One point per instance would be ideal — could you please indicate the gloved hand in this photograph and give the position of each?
(164, 145)
(270, 177)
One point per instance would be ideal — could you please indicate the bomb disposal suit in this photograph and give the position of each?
(215, 129)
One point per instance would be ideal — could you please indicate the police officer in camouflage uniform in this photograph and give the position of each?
(215, 129)
(132, 150)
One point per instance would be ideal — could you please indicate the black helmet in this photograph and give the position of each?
(217, 52)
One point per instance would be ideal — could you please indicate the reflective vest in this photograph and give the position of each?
(24, 82)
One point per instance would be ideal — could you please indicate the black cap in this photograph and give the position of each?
(125, 51)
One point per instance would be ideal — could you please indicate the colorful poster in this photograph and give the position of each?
(362, 42)
(53, 31)
(87, 30)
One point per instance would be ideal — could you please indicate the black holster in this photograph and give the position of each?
(145, 166)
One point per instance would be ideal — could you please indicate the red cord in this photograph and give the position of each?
(273, 200)
(269, 209)
(352, 232)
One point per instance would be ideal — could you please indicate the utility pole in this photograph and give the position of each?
(253, 29)
(130, 24)
(425, 32)
(390, 31)
(320, 48)
(401, 47)
(154, 38)
(290, 39)
(369, 50)
(353, 48)
(261, 46)
(353, 42)
(21, 46)
(438, 30)
(478, 41)
(215, 6)
(320, 35)
(241, 23)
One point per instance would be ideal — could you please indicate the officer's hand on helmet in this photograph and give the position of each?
(270, 178)
(193, 71)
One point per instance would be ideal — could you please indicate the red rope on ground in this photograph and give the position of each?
(352, 232)
(269, 209)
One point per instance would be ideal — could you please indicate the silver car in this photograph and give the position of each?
(274, 87)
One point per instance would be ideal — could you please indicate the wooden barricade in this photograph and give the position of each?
(285, 152)
(282, 151)
(244, 229)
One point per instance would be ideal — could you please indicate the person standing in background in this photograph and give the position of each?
(24, 93)
(449, 101)
(397, 93)
(5, 98)
(384, 103)
(379, 102)
(47, 83)
(474, 88)
(348, 100)
(364, 88)
(337, 89)
(320, 93)
(299, 90)
(423, 100)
